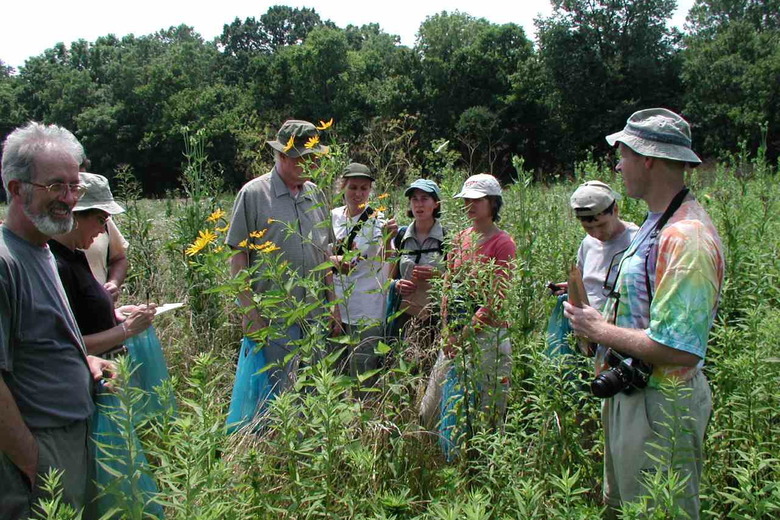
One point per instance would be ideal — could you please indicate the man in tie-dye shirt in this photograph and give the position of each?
(660, 312)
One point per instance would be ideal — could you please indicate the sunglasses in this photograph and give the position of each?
(594, 218)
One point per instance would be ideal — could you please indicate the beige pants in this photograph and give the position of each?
(645, 425)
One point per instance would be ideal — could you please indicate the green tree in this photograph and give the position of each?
(604, 59)
(731, 74)
(467, 62)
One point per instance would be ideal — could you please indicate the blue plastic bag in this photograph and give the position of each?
(252, 389)
(149, 372)
(558, 331)
(451, 396)
(121, 468)
(392, 306)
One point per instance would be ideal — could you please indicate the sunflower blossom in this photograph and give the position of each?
(290, 144)
(383, 196)
(312, 142)
(267, 247)
(381, 209)
(324, 125)
(243, 243)
(257, 234)
(205, 237)
(218, 214)
(222, 229)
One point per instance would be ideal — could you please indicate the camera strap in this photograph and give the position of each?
(346, 245)
(674, 205)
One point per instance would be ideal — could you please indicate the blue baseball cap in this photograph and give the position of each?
(425, 185)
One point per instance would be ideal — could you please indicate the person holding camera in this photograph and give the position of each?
(655, 323)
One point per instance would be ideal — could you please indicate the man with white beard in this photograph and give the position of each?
(46, 375)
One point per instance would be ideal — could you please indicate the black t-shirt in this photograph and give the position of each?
(91, 302)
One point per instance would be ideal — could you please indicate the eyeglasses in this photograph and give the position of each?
(60, 188)
(594, 218)
(589, 218)
(103, 220)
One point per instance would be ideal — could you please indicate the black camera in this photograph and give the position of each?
(625, 375)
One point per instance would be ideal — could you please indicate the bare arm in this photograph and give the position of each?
(251, 320)
(589, 323)
(138, 321)
(16, 440)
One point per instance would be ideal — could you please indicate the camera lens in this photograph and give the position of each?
(606, 384)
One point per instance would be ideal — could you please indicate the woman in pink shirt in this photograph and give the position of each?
(479, 267)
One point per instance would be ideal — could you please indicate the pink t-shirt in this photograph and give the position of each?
(499, 249)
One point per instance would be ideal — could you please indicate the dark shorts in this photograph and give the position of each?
(64, 449)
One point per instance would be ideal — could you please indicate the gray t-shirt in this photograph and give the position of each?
(42, 355)
(299, 226)
(595, 258)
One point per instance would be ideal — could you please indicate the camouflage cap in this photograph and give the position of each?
(298, 138)
(358, 170)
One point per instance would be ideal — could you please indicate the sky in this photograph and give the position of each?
(28, 27)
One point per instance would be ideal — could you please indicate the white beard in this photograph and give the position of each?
(45, 224)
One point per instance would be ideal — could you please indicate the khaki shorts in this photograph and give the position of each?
(637, 426)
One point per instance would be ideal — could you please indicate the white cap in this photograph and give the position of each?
(478, 186)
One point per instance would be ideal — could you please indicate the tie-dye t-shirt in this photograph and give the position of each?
(685, 263)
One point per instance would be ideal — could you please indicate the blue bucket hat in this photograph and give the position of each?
(425, 185)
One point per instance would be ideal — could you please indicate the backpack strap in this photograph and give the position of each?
(346, 246)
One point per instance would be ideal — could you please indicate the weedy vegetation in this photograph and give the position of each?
(331, 449)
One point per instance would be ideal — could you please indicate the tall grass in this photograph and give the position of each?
(323, 453)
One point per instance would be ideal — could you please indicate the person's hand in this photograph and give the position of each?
(252, 322)
(139, 319)
(405, 287)
(101, 368)
(30, 467)
(113, 289)
(341, 265)
(451, 347)
(336, 328)
(586, 321)
(391, 228)
(558, 288)
(424, 272)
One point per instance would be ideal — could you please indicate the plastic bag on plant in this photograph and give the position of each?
(150, 371)
(558, 330)
(451, 395)
(121, 468)
(252, 388)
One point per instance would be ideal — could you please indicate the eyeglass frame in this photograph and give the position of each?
(79, 189)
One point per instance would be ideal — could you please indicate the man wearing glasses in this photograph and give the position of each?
(595, 206)
(658, 317)
(45, 373)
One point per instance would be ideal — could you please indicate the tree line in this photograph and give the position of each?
(484, 89)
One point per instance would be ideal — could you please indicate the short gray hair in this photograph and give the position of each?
(26, 142)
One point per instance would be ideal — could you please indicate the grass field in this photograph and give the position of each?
(327, 455)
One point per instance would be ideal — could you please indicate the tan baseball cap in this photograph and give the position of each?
(592, 198)
(478, 186)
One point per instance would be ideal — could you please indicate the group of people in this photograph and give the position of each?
(654, 292)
